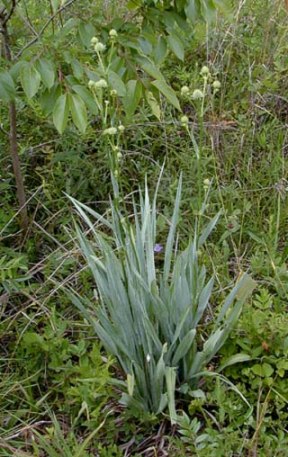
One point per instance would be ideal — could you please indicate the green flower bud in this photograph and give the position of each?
(121, 128)
(94, 40)
(204, 71)
(101, 84)
(216, 85)
(99, 47)
(113, 33)
(110, 131)
(91, 84)
(185, 90)
(197, 94)
(184, 120)
(113, 92)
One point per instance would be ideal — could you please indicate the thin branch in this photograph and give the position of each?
(27, 20)
(47, 23)
(5, 18)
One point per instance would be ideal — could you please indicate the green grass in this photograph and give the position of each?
(51, 364)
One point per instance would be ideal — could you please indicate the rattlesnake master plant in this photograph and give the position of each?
(148, 318)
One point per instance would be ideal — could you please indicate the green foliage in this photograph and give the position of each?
(13, 267)
(59, 369)
(51, 363)
(129, 48)
(149, 317)
(68, 446)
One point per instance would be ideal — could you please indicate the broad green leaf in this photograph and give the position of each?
(78, 111)
(86, 32)
(172, 232)
(130, 384)
(203, 301)
(77, 69)
(238, 358)
(7, 87)
(160, 50)
(87, 97)
(192, 10)
(48, 99)
(265, 370)
(60, 113)
(240, 291)
(154, 105)
(183, 347)
(145, 45)
(16, 68)
(159, 376)
(212, 342)
(47, 72)
(176, 46)
(116, 83)
(30, 79)
(246, 289)
(132, 97)
(171, 385)
(168, 92)
(134, 4)
(118, 65)
(68, 56)
(150, 68)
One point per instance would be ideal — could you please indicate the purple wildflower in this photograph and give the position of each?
(158, 248)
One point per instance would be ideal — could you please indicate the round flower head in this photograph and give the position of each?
(113, 92)
(197, 94)
(184, 120)
(101, 84)
(204, 71)
(110, 131)
(91, 84)
(99, 47)
(206, 184)
(113, 33)
(185, 90)
(216, 85)
(94, 40)
(121, 128)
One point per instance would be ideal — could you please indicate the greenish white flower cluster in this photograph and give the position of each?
(184, 121)
(113, 33)
(95, 85)
(98, 46)
(198, 94)
(110, 131)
